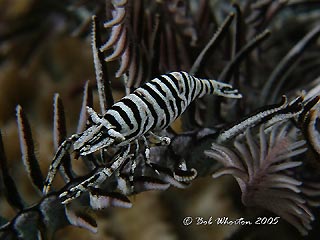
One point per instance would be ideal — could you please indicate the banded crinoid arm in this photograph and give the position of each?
(269, 114)
(152, 107)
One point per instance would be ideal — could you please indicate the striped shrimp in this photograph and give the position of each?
(149, 109)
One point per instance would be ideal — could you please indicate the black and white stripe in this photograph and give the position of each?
(156, 104)
(150, 108)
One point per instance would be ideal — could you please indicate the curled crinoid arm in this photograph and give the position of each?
(118, 37)
(124, 45)
(184, 175)
(260, 165)
(118, 13)
(269, 114)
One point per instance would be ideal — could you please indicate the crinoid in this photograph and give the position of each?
(155, 118)
(262, 165)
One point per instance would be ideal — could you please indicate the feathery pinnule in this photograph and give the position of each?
(260, 165)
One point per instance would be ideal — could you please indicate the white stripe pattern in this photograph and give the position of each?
(150, 108)
(153, 107)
